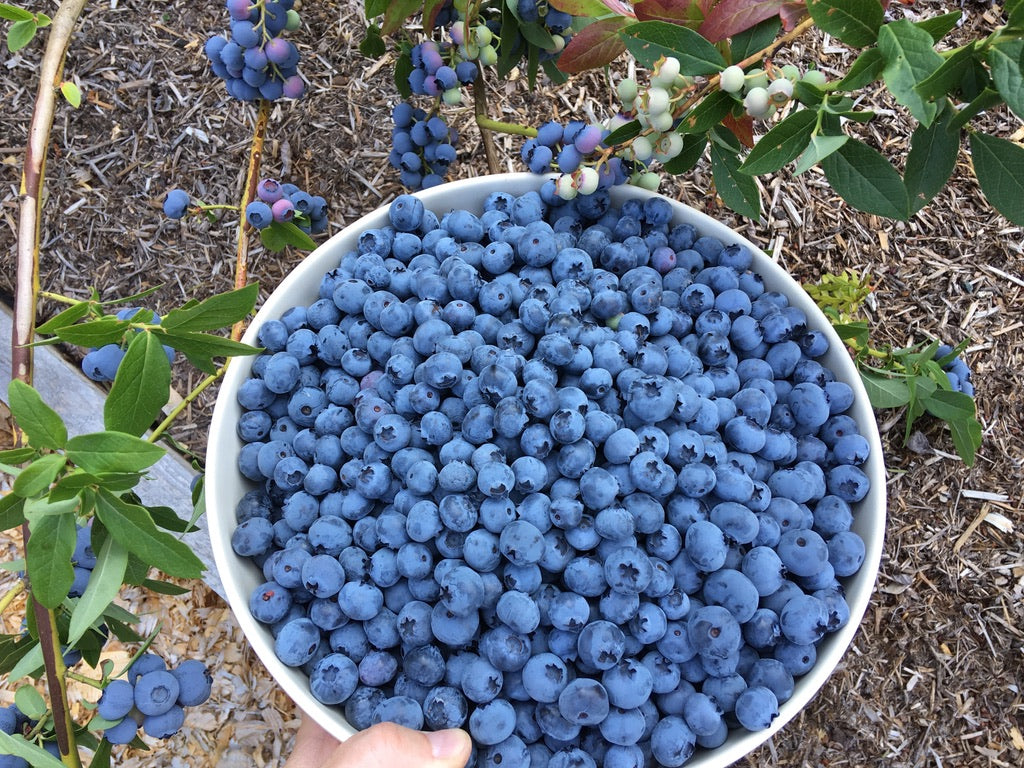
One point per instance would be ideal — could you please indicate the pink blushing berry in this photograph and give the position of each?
(294, 87)
(269, 191)
(587, 140)
(283, 210)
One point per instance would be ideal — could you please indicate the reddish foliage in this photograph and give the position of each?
(596, 45)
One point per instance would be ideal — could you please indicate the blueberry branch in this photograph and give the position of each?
(185, 402)
(12, 593)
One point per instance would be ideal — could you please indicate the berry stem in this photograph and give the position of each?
(92, 681)
(57, 297)
(16, 589)
(252, 180)
(515, 129)
(185, 402)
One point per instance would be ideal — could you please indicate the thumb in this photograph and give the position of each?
(388, 745)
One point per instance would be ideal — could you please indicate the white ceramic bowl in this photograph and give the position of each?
(225, 485)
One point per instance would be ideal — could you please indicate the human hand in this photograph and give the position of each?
(382, 746)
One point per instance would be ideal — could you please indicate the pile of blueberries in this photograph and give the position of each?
(563, 473)
(423, 146)
(957, 370)
(152, 697)
(257, 62)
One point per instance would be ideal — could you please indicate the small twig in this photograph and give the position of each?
(12, 593)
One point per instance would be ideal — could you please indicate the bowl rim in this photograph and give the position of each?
(223, 479)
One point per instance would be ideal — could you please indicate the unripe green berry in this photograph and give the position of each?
(791, 72)
(780, 91)
(559, 44)
(482, 35)
(648, 180)
(731, 80)
(627, 90)
(293, 22)
(667, 72)
(757, 78)
(657, 101)
(452, 97)
(661, 122)
(669, 146)
(585, 180)
(564, 187)
(488, 56)
(642, 149)
(815, 77)
(756, 102)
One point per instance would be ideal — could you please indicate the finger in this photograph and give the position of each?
(392, 746)
(313, 745)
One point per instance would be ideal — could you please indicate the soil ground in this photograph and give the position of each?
(934, 675)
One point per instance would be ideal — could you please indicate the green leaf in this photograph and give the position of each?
(909, 59)
(17, 455)
(41, 424)
(134, 529)
(101, 755)
(753, 39)
(12, 511)
(29, 663)
(885, 391)
(94, 333)
(999, 166)
(36, 756)
(693, 150)
(866, 180)
(648, 41)
(989, 97)
(782, 144)
(958, 410)
(37, 476)
(374, 8)
(856, 332)
(43, 506)
(623, 133)
(537, 34)
(14, 13)
(594, 8)
(1005, 59)
(71, 93)
(866, 68)
(1014, 10)
(97, 452)
(403, 68)
(711, 110)
(821, 146)
(218, 311)
(281, 234)
(948, 77)
(396, 12)
(933, 153)
(168, 519)
(855, 22)
(939, 26)
(104, 585)
(20, 34)
(136, 572)
(67, 317)
(372, 46)
(737, 189)
(30, 702)
(13, 649)
(201, 348)
(48, 558)
(141, 387)
(75, 480)
(164, 587)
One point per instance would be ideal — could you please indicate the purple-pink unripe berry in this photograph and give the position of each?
(284, 210)
(278, 50)
(269, 191)
(586, 141)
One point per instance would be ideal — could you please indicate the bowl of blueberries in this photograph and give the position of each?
(593, 479)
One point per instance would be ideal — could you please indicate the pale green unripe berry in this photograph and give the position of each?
(452, 97)
(488, 56)
(294, 22)
(669, 146)
(757, 78)
(615, 122)
(731, 80)
(791, 72)
(756, 102)
(470, 50)
(642, 149)
(780, 91)
(482, 35)
(559, 44)
(661, 122)
(682, 83)
(657, 101)
(815, 77)
(585, 180)
(627, 90)
(564, 187)
(648, 180)
(667, 72)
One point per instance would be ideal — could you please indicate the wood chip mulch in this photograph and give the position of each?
(934, 675)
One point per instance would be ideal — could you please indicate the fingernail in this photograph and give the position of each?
(446, 744)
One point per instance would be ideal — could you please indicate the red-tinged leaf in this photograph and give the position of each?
(592, 8)
(684, 12)
(742, 128)
(730, 17)
(792, 14)
(596, 44)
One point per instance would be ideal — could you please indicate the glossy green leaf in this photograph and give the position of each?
(13, 649)
(648, 41)
(623, 133)
(97, 452)
(866, 180)
(284, 233)
(37, 476)
(372, 45)
(999, 166)
(141, 388)
(694, 145)
(66, 317)
(821, 146)
(134, 529)
(403, 68)
(94, 333)
(167, 518)
(201, 348)
(711, 110)
(782, 144)
(12, 511)
(36, 756)
(17, 455)
(855, 22)
(104, 585)
(866, 68)
(30, 702)
(48, 558)
(396, 12)
(374, 8)
(216, 312)
(71, 93)
(738, 190)
(14, 13)
(885, 391)
(20, 34)
(939, 26)
(44, 506)
(958, 410)
(30, 663)
(41, 424)
(1005, 61)
(164, 587)
(933, 153)
(950, 74)
(909, 59)
(592, 8)
(989, 97)
(856, 332)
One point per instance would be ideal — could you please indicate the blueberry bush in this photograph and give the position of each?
(580, 444)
